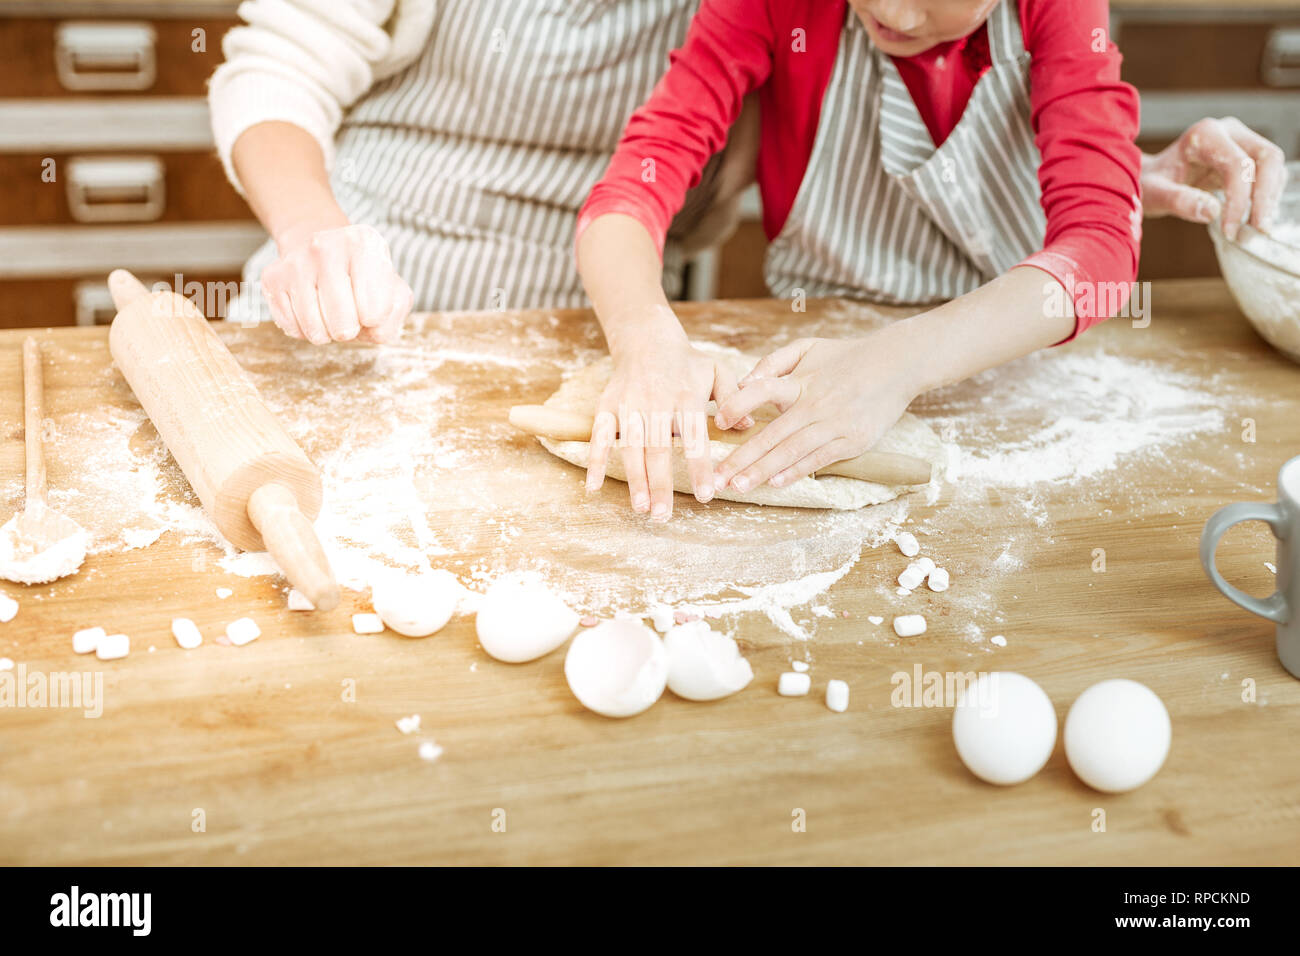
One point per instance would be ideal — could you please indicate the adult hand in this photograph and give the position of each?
(336, 284)
(1215, 154)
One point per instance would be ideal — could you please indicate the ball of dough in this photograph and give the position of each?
(1004, 727)
(1117, 735)
(521, 619)
(617, 668)
(416, 605)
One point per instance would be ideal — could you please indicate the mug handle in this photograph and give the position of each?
(1273, 607)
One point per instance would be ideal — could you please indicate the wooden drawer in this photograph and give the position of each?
(36, 303)
(47, 57)
(1208, 55)
(153, 187)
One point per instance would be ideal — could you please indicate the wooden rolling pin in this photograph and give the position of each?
(886, 468)
(253, 480)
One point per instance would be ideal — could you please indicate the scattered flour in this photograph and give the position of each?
(415, 478)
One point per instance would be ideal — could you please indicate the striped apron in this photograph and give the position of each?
(473, 161)
(882, 214)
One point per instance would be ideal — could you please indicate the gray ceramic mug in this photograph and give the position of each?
(1284, 518)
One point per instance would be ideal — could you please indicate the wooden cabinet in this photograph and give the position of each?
(106, 155)
(109, 56)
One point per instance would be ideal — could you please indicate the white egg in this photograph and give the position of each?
(416, 605)
(521, 619)
(617, 668)
(1004, 727)
(703, 664)
(1117, 735)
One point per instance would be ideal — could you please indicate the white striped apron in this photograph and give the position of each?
(474, 161)
(882, 214)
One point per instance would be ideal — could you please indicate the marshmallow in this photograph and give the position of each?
(939, 579)
(906, 542)
(909, 625)
(85, 642)
(242, 631)
(367, 624)
(837, 696)
(298, 601)
(793, 685)
(186, 633)
(112, 647)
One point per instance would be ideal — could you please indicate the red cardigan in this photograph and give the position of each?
(1084, 118)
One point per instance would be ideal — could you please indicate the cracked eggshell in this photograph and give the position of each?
(617, 668)
(703, 664)
(416, 605)
(521, 619)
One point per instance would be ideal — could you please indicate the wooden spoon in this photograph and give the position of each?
(38, 545)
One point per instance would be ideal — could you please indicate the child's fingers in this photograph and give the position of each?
(603, 432)
(724, 386)
(784, 454)
(632, 430)
(780, 362)
(781, 392)
(751, 450)
(659, 475)
(826, 455)
(693, 426)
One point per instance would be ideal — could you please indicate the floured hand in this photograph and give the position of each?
(336, 284)
(1215, 154)
(836, 398)
(659, 389)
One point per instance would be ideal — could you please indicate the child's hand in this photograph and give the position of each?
(336, 284)
(659, 388)
(836, 399)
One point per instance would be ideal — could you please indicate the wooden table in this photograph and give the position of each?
(285, 751)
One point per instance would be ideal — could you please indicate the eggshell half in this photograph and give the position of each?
(416, 605)
(617, 668)
(521, 619)
(703, 664)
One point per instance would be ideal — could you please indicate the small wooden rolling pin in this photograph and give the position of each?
(886, 468)
(253, 480)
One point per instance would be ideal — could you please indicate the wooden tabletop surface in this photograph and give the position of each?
(285, 750)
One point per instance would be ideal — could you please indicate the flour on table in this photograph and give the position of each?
(416, 477)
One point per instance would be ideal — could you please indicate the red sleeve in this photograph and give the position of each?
(1085, 122)
(668, 141)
